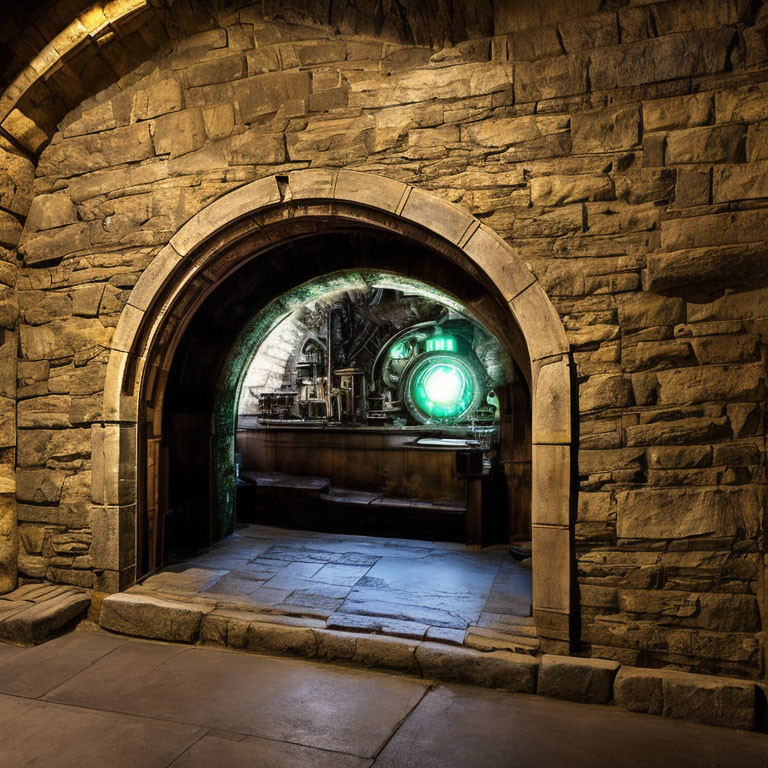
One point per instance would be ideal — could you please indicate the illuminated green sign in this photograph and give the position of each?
(441, 344)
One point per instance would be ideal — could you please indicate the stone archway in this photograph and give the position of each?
(183, 271)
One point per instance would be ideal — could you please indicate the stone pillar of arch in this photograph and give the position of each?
(312, 195)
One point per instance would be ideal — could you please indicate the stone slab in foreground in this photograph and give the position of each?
(153, 617)
(589, 681)
(712, 700)
(34, 613)
(702, 698)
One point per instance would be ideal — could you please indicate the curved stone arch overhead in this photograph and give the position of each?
(320, 192)
(100, 25)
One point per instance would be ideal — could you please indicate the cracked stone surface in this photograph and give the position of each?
(396, 587)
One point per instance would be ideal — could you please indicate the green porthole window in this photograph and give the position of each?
(442, 388)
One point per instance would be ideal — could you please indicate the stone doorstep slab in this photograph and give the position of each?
(484, 639)
(37, 593)
(41, 614)
(574, 679)
(727, 702)
(708, 699)
(142, 615)
(353, 622)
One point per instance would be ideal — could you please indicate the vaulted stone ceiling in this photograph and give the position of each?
(56, 53)
(25, 28)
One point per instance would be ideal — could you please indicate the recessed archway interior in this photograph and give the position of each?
(357, 405)
(415, 425)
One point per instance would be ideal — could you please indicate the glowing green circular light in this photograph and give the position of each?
(444, 384)
(441, 388)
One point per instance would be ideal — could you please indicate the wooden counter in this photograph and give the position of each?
(388, 460)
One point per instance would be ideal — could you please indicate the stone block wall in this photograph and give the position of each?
(620, 151)
(16, 177)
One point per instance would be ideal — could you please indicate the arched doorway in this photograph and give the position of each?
(250, 308)
(244, 226)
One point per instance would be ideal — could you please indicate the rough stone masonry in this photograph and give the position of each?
(619, 146)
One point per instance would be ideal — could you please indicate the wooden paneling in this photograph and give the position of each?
(374, 459)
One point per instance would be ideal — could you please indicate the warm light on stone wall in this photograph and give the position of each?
(606, 170)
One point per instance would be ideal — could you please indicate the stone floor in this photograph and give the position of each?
(416, 589)
(89, 700)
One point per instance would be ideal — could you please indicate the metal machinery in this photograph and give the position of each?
(428, 373)
(276, 405)
(417, 377)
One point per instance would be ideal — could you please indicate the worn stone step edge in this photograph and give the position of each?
(727, 702)
(36, 622)
(513, 643)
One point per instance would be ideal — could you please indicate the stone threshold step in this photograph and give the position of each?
(512, 633)
(484, 639)
(727, 702)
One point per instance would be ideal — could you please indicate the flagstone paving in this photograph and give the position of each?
(387, 586)
(90, 700)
